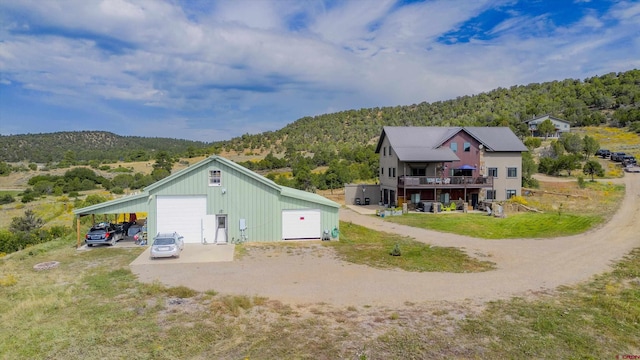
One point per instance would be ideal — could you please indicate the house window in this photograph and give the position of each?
(389, 150)
(467, 147)
(215, 177)
(491, 194)
(493, 172)
(454, 147)
(384, 151)
(418, 172)
(381, 171)
(512, 172)
(394, 172)
(510, 194)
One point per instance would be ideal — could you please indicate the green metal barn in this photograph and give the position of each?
(219, 201)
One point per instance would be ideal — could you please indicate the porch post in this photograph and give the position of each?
(78, 231)
(404, 188)
(465, 189)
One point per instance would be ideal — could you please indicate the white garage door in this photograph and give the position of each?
(301, 224)
(182, 214)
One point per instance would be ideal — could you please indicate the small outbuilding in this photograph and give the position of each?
(218, 201)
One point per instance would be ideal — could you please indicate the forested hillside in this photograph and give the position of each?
(89, 145)
(612, 98)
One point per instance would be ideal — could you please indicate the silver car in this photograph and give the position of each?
(167, 245)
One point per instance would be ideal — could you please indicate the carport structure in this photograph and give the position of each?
(218, 201)
(126, 205)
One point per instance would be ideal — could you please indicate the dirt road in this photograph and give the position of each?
(314, 275)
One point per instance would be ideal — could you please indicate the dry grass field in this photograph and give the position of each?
(92, 307)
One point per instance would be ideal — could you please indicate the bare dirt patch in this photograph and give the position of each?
(311, 275)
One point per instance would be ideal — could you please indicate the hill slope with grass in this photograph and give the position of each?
(612, 99)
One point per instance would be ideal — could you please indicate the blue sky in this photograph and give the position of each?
(212, 70)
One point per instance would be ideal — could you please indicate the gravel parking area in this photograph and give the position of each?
(312, 274)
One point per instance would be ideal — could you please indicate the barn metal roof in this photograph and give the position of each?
(140, 202)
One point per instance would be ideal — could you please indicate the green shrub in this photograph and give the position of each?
(530, 182)
(532, 142)
(28, 196)
(94, 199)
(12, 241)
(6, 199)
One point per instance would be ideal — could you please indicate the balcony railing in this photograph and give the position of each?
(445, 182)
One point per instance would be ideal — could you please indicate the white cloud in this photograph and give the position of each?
(255, 66)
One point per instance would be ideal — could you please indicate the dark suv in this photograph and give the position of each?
(104, 233)
(604, 153)
(617, 156)
(628, 160)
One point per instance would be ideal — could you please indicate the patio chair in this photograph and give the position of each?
(358, 201)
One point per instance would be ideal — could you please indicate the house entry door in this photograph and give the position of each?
(474, 200)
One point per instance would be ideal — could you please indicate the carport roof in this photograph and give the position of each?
(127, 204)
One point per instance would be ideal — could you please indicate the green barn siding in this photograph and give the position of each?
(329, 215)
(257, 200)
(250, 200)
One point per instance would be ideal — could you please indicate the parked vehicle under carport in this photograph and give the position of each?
(104, 233)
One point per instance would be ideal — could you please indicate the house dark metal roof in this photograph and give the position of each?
(423, 143)
(497, 138)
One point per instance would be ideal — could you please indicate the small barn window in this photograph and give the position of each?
(215, 177)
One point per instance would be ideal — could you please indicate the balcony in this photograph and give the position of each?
(448, 182)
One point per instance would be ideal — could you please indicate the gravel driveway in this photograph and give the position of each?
(313, 274)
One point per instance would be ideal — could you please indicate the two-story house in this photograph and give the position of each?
(449, 163)
(561, 126)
